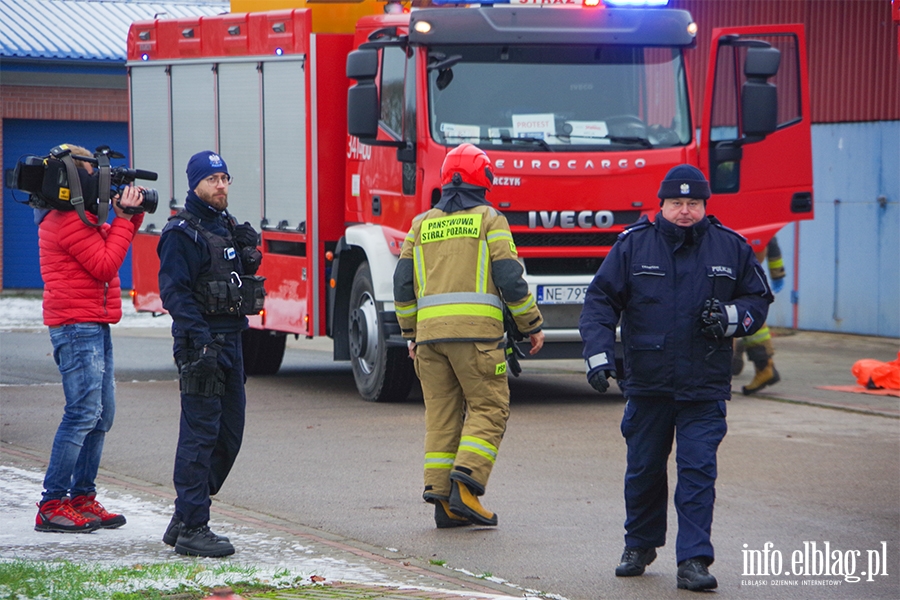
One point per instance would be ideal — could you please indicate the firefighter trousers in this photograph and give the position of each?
(466, 408)
(759, 347)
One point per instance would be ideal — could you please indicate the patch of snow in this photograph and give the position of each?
(25, 312)
(277, 559)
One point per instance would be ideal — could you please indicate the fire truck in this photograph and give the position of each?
(335, 119)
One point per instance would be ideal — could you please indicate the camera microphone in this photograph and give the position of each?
(140, 174)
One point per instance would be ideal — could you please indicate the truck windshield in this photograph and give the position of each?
(558, 98)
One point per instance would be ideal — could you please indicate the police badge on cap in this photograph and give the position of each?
(202, 165)
(684, 181)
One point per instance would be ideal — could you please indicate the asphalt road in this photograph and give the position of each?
(315, 454)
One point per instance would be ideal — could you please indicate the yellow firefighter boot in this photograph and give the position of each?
(444, 518)
(463, 503)
(765, 376)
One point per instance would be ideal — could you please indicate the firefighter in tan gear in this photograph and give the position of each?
(458, 267)
(759, 346)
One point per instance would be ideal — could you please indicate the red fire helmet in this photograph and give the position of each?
(467, 164)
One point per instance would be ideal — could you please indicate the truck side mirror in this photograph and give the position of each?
(759, 98)
(362, 64)
(363, 109)
(363, 103)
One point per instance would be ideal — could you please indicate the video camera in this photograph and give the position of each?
(47, 180)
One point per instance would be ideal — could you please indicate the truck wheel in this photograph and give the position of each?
(382, 374)
(263, 351)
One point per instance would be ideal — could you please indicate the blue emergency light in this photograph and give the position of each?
(635, 3)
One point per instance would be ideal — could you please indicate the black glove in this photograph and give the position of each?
(250, 259)
(598, 381)
(207, 362)
(245, 236)
(714, 320)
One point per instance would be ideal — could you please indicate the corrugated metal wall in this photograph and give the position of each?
(849, 255)
(854, 70)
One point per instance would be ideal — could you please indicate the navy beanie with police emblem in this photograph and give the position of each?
(202, 165)
(684, 181)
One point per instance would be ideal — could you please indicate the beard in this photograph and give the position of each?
(215, 198)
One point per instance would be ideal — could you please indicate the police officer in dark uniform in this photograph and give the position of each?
(684, 286)
(207, 285)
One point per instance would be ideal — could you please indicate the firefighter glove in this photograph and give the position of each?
(777, 285)
(598, 381)
(713, 320)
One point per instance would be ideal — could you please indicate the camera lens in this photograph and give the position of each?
(151, 200)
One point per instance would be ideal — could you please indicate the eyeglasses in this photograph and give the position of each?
(216, 180)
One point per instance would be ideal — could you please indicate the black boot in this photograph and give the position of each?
(634, 561)
(200, 541)
(444, 519)
(170, 537)
(693, 575)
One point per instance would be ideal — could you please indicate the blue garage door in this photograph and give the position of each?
(21, 267)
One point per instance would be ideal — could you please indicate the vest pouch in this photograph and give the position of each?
(220, 297)
(253, 294)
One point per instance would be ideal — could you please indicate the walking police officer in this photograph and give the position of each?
(206, 285)
(458, 267)
(684, 286)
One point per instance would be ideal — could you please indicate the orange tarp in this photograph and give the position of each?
(875, 374)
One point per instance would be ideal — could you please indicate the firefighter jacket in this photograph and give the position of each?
(454, 269)
(186, 266)
(657, 277)
(80, 266)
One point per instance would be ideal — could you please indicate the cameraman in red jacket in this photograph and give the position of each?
(82, 296)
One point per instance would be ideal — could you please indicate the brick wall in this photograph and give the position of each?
(61, 104)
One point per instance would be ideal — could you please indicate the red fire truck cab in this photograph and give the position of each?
(336, 140)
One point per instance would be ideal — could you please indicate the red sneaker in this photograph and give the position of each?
(93, 510)
(59, 516)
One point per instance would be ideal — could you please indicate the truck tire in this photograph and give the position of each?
(263, 351)
(382, 374)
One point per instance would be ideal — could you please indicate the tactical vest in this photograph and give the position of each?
(222, 290)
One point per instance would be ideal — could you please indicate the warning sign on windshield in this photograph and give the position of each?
(539, 126)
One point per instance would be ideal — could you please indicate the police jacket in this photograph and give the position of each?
(80, 266)
(456, 262)
(185, 260)
(658, 277)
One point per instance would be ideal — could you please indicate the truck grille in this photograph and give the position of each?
(562, 266)
(564, 239)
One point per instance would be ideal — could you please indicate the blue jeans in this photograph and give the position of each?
(83, 353)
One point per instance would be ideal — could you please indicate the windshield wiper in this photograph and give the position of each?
(507, 140)
(628, 139)
(531, 139)
(616, 139)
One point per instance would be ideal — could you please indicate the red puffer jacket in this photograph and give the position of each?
(80, 267)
